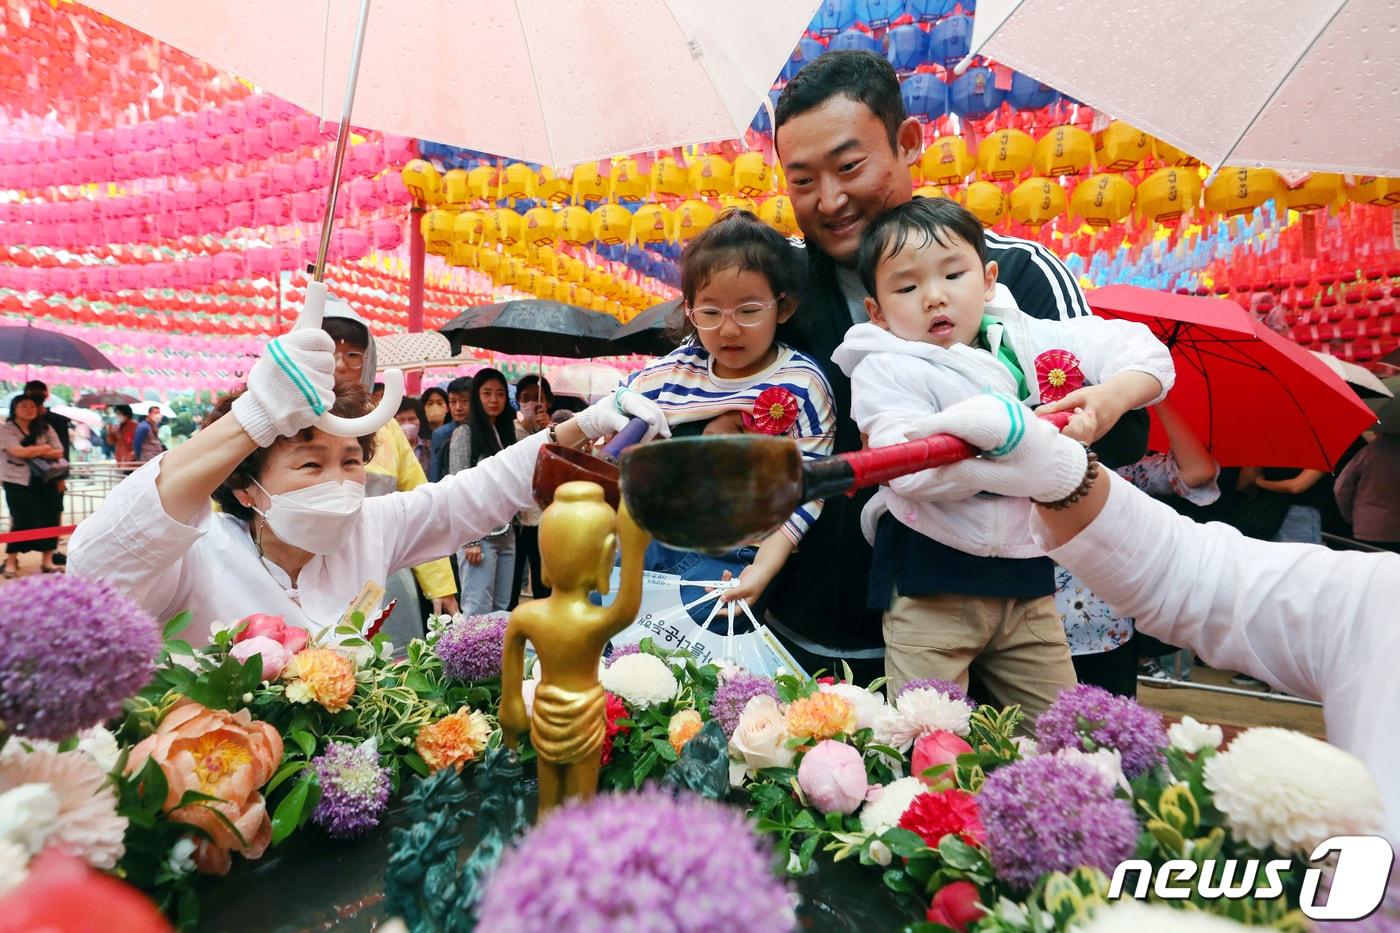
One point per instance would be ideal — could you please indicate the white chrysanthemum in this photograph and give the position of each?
(87, 824)
(14, 866)
(28, 815)
(884, 811)
(868, 706)
(1155, 918)
(917, 713)
(1281, 788)
(101, 746)
(1191, 736)
(640, 679)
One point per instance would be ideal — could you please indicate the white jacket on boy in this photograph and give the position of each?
(894, 381)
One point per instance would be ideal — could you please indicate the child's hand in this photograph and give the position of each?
(752, 583)
(473, 555)
(1082, 426)
(731, 422)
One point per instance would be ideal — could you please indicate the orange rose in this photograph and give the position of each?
(820, 716)
(683, 727)
(454, 740)
(225, 755)
(321, 674)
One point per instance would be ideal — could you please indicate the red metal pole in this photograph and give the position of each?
(413, 382)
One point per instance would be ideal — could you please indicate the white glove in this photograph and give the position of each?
(612, 414)
(290, 386)
(1022, 455)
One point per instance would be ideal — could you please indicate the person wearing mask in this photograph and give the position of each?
(535, 398)
(393, 468)
(434, 410)
(33, 502)
(1368, 491)
(459, 411)
(146, 441)
(122, 435)
(487, 563)
(295, 535)
(411, 420)
(846, 144)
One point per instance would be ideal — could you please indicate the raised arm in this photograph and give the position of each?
(634, 543)
(1195, 465)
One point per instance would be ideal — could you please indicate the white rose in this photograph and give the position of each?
(868, 706)
(880, 853)
(101, 746)
(759, 741)
(1191, 736)
(28, 816)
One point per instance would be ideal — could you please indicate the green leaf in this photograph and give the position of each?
(418, 682)
(305, 741)
(176, 625)
(286, 771)
(180, 646)
(288, 814)
(897, 881)
(959, 854)
(903, 842)
(643, 767)
(804, 854)
(153, 787)
(664, 749)
(417, 764)
(804, 820)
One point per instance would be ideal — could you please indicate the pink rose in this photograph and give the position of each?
(956, 905)
(932, 750)
(832, 777)
(291, 637)
(274, 656)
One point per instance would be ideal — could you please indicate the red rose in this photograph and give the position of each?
(827, 681)
(615, 711)
(774, 412)
(935, 815)
(291, 637)
(956, 905)
(930, 751)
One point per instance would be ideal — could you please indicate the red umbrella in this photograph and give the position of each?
(1255, 398)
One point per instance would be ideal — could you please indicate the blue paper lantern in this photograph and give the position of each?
(950, 39)
(1029, 94)
(855, 40)
(905, 47)
(760, 123)
(878, 13)
(925, 96)
(807, 49)
(975, 94)
(928, 11)
(835, 15)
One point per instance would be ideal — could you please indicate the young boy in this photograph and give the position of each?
(961, 582)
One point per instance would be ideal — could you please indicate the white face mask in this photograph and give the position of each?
(316, 519)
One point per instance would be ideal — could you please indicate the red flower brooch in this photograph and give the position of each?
(774, 412)
(1058, 373)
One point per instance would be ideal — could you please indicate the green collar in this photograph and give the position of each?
(1003, 353)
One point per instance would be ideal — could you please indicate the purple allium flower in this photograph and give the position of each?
(1108, 721)
(734, 694)
(471, 648)
(354, 789)
(948, 687)
(70, 651)
(638, 861)
(1048, 814)
(622, 651)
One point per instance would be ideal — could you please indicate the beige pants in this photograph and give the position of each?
(1017, 646)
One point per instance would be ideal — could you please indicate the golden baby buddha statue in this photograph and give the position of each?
(579, 534)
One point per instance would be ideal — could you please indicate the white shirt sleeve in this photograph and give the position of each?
(1106, 348)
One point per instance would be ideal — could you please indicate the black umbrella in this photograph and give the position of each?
(30, 346)
(649, 332)
(105, 399)
(538, 328)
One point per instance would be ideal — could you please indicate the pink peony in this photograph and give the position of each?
(274, 656)
(832, 776)
(932, 750)
(291, 637)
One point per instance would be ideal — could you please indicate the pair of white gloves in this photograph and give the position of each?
(293, 383)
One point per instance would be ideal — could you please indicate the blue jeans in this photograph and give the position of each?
(1301, 523)
(486, 586)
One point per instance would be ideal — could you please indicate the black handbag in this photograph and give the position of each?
(46, 470)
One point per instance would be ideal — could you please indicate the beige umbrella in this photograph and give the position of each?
(1358, 377)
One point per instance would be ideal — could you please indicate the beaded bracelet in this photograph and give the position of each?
(1091, 473)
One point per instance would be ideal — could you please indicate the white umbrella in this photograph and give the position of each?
(85, 416)
(1302, 85)
(551, 81)
(1357, 376)
(589, 381)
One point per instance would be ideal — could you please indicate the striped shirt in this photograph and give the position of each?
(684, 385)
(1042, 285)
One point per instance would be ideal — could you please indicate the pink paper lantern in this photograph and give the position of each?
(255, 143)
(105, 141)
(212, 191)
(284, 179)
(306, 207)
(310, 173)
(187, 222)
(394, 190)
(143, 164)
(262, 260)
(123, 165)
(146, 136)
(308, 129)
(213, 219)
(240, 214)
(123, 138)
(399, 150)
(186, 197)
(130, 229)
(365, 194)
(289, 259)
(211, 150)
(214, 122)
(170, 131)
(273, 212)
(365, 159)
(128, 277)
(185, 157)
(236, 114)
(281, 135)
(85, 144)
(228, 266)
(350, 245)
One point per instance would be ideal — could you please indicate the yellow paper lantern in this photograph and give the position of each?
(1036, 201)
(617, 310)
(1239, 189)
(1319, 190)
(753, 175)
(669, 180)
(462, 253)
(589, 184)
(711, 176)
(610, 287)
(629, 183)
(1005, 154)
(539, 226)
(734, 202)
(692, 216)
(482, 181)
(575, 225)
(504, 226)
(437, 227)
(1102, 199)
(488, 260)
(596, 278)
(946, 161)
(1372, 189)
(651, 223)
(612, 224)
(455, 192)
(422, 180)
(1065, 150)
(1119, 147)
(930, 191)
(571, 270)
(987, 202)
(528, 280)
(551, 187)
(1168, 193)
(582, 296)
(546, 287)
(469, 227)
(510, 271)
(517, 181)
(1169, 155)
(545, 258)
(777, 213)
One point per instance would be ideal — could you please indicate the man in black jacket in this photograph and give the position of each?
(846, 146)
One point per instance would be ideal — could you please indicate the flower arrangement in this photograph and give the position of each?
(470, 648)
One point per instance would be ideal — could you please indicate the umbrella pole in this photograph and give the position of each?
(342, 140)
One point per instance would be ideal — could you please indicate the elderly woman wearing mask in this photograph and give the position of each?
(296, 536)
